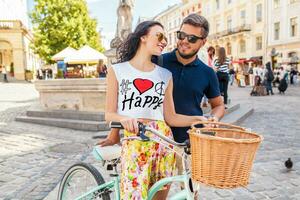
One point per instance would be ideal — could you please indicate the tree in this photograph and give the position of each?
(58, 24)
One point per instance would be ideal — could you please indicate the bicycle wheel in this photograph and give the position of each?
(79, 179)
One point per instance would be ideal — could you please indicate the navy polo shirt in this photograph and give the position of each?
(191, 83)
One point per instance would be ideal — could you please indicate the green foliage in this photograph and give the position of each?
(58, 24)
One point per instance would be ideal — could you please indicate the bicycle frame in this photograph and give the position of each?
(184, 178)
(109, 185)
(114, 184)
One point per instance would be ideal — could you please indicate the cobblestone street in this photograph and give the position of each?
(34, 157)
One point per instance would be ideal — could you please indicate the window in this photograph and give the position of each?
(259, 43)
(243, 17)
(228, 48)
(276, 3)
(218, 24)
(242, 46)
(276, 30)
(208, 8)
(229, 23)
(258, 13)
(175, 36)
(292, 54)
(218, 4)
(293, 27)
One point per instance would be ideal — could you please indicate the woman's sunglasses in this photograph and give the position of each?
(160, 36)
(190, 38)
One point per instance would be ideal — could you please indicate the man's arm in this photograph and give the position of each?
(217, 108)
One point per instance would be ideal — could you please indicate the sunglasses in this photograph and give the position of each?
(160, 36)
(190, 38)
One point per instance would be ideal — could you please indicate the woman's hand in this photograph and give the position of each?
(112, 138)
(107, 142)
(130, 124)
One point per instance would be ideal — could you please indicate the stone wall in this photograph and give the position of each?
(72, 94)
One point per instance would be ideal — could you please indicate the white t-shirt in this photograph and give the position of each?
(255, 71)
(141, 94)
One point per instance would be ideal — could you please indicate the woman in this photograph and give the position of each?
(101, 69)
(138, 90)
(222, 67)
(210, 58)
(211, 53)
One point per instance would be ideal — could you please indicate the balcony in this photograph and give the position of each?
(238, 29)
(11, 24)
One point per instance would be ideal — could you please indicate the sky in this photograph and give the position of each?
(105, 11)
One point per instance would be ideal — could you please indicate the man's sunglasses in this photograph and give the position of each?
(190, 38)
(160, 36)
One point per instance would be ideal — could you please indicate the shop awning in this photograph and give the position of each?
(252, 59)
(239, 61)
(255, 59)
(85, 55)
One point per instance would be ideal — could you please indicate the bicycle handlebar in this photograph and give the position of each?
(143, 128)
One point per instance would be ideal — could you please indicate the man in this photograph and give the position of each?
(192, 78)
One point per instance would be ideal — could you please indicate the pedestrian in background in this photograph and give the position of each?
(261, 71)
(293, 75)
(222, 67)
(231, 75)
(251, 76)
(210, 62)
(211, 54)
(268, 79)
(4, 72)
(101, 69)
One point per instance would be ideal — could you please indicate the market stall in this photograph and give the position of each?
(83, 63)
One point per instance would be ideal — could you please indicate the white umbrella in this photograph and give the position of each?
(85, 55)
(64, 53)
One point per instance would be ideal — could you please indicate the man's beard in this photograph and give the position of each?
(187, 56)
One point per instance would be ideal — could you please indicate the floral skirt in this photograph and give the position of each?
(145, 163)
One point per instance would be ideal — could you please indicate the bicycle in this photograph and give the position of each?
(99, 189)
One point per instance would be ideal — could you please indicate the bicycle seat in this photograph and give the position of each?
(107, 153)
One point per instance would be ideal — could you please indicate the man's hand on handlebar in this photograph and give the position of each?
(212, 118)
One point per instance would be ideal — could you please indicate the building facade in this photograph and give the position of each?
(238, 26)
(284, 32)
(172, 17)
(15, 38)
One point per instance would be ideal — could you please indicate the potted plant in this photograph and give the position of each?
(28, 75)
(59, 74)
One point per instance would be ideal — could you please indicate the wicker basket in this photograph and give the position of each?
(225, 159)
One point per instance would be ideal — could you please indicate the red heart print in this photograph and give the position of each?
(142, 85)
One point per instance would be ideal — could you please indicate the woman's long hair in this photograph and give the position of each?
(221, 55)
(127, 49)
